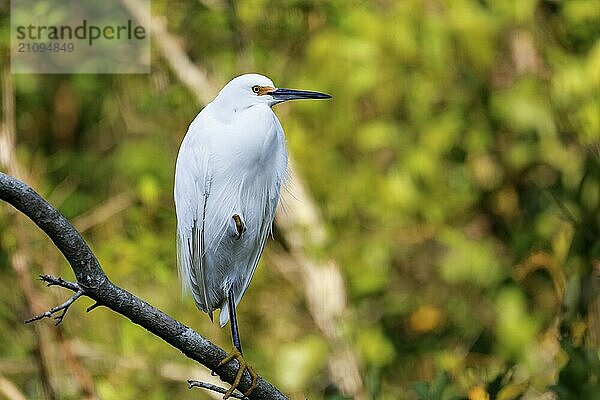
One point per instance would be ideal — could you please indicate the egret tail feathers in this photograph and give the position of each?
(224, 314)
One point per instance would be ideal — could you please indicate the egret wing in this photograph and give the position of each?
(192, 194)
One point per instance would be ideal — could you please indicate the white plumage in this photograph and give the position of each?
(232, 161)
(230, 168)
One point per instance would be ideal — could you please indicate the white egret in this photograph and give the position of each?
(230, 168)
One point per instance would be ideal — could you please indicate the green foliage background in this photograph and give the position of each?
(456, 169)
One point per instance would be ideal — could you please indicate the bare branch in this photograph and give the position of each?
(10, 390)
(60, 310)
(53, 281)
(94, 283)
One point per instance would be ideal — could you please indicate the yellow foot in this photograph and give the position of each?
(244, 366)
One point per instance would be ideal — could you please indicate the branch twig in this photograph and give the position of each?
(94, 283)
(64, 307)
(209, 386)
(54, 281)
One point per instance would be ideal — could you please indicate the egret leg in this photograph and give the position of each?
(236, 353)
(235, 333)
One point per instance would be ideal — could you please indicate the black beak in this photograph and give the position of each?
(281, 94)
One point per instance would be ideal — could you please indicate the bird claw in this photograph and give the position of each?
(240, 226)
(244, 366)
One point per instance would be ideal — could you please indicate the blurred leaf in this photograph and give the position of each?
(434, 390)
(376, 347)
(516, 329)
(298, 361)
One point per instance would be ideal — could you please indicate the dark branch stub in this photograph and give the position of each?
(93, 307)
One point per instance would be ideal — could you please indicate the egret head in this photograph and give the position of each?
(251, 89)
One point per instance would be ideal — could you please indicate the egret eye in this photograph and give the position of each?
(256, 89)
